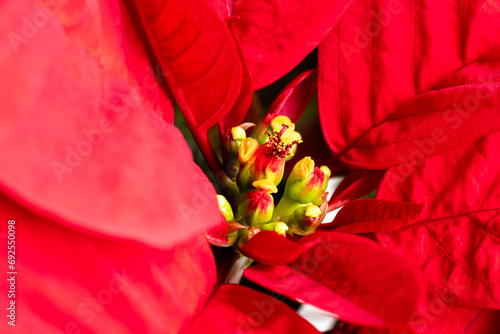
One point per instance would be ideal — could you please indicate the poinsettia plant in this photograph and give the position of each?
(112, 219)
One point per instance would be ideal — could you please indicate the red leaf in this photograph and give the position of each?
(296, 96)
(456, 255)
(70, 281)
(476, 321)
(276, 36)
(147, 75)
(217, 234)
(270, 248)
(356, 184)
(371, 215)
(196, 52)
(223, 8)
(81, 143)
(433, 122)
(381, 55)
(459, 182)
(238, 111)
(238, 309)
(458, 241)
(343, 275)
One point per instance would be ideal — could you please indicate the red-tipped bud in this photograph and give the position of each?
(273, 124)
(259, 164)
(230, 142)
(307, 218)
(256, 207)
(306, 182)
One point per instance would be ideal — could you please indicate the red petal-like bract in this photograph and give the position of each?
(238, 309)
(196, 52)
(277, 35)
(476, 321)
(70, 282)
(371, 215)
(357, 281)
(473, 321)
(268, 247)
(296, 96)
(217, 234)
(356, 184)
(389, 90)
(79, 141)
(223, 8)
(456, 246)
(238, 111)
(434, 122)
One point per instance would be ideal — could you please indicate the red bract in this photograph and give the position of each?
(454, 240)
(237, 112)
(407, 82)
(295, 97)
(272, 249)
(73, 281)
(473, 321)
(458, 237)
(277, 35)
(401, 81)
(356, 184)
(90, 166)
(237, 309)
(370, 215)
(109, 207)
(79, 138)
(357, 281)
(203, 64)
(476, 321)
(182, 32)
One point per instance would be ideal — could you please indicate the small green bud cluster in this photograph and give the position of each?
(257, 163)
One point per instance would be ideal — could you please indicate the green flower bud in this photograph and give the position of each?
(327, 173)
(307, 218)
(230, 142)
(256, 207)
(306, 182)
(225, 208)
(277, 227)
(247, 150)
